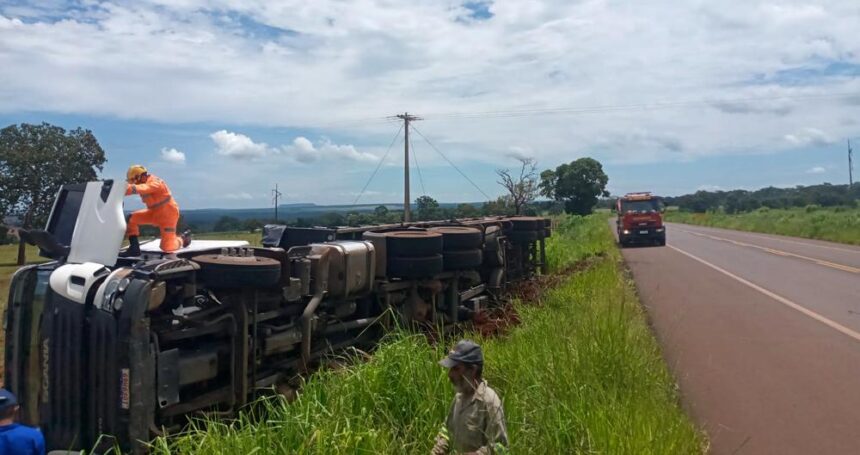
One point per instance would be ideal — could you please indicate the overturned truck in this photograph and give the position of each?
(105, 350)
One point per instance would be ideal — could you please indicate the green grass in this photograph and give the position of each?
(582, 373)
(834, 224)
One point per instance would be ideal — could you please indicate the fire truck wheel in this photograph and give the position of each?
(523, 236)
(413, 243)
(463, 259)
(217, 271)
(414, 267)
(459, 237)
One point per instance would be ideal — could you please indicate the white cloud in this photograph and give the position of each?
(816, 170)
(239, 196)
(686, 79)
(171, 155)
(809, 136)
(304, 151)
(238, 146)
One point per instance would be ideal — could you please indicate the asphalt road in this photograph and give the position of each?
(763, 335)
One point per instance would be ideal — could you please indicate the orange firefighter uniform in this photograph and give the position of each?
(161, 210)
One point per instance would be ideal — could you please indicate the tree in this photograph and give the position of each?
(35, 160)
(501, 206)
(427, 208)
(380, 213)
(522, 188)
(227, 223)
(467, 211)
(579, 184)
(252, 225)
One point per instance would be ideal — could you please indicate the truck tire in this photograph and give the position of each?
(459, 237)
(217, 271)
(463, 259)
(414, 267)
(413, 243)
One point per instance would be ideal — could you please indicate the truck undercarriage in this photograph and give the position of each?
(115, 352)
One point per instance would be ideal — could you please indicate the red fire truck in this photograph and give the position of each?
(640, 219)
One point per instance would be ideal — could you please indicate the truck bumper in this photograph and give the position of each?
(642, 236)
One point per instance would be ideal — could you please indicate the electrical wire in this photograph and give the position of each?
(415, 160)
(451, 163)
(621, 108)
(378, 165)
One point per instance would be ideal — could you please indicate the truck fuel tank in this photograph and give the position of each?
(352, 266)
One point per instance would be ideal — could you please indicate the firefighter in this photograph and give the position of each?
(161, 211)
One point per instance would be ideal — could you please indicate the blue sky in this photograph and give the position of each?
(225, 98)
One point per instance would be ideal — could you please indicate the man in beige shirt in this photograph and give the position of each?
(476, 421)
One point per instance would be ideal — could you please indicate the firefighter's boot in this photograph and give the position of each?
(133, 249)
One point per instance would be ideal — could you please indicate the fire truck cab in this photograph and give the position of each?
(640, 219)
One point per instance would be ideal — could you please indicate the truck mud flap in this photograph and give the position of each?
(62, 358)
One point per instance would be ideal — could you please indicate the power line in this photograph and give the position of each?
(406, 202)
(451, 163)
(621, 108)
(378, 165)
(850, 166)
(275, 195)
(415, 160)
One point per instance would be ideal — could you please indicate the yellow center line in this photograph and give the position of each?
(833, 265)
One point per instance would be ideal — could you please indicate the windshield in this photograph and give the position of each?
(640, 206)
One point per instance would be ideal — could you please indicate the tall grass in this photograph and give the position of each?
(834, 224)
(580, 374)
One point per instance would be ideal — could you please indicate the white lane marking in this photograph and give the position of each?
(833, 265)
(830, 323)
(778, 238)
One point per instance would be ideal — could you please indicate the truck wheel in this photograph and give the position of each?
(464, 259)
(217, 271)
(413, 243)
(459, 237)
(414, 267)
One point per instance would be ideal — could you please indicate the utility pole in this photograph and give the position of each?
(277, 194)
(406, 203)
(850, 167)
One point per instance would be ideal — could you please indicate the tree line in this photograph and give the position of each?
(736, 201)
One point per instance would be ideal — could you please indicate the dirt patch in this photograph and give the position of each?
(499, 320)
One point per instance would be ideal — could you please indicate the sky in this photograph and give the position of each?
(226, 98)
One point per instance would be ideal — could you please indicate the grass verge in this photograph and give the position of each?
(833, 224)
(580, 374)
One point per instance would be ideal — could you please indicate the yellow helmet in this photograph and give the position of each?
(134, 171)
